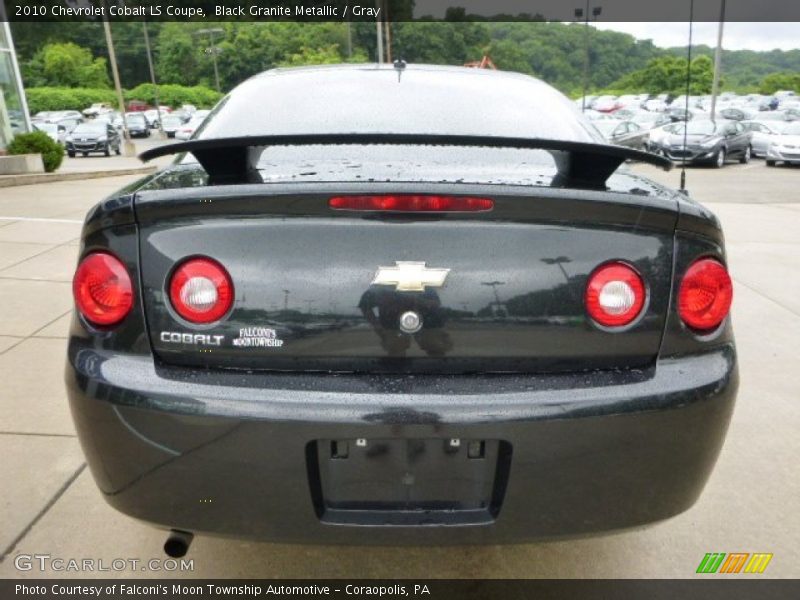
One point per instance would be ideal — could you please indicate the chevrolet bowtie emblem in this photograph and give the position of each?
(410, 276)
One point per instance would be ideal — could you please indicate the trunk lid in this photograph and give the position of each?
(511, 299)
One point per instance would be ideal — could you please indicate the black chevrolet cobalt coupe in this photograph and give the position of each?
(400, 304)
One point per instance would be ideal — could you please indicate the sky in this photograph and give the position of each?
(658, 20)
(736, 36)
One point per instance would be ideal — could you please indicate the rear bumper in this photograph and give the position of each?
(239, 454)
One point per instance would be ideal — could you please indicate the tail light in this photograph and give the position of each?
(102, 288)
(412, 203)
(705, 294)
(201, 290)
(614, 295)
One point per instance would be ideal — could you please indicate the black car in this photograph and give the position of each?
(364, 316)
(137, 125)
(709, 142)
(93, 136)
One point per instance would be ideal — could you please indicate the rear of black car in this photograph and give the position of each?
(394, 344)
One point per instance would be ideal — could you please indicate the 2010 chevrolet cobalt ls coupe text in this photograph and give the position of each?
(400, 304)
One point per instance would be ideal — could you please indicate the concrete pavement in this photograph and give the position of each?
(49, 504)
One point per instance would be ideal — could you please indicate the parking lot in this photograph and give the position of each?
(49, 503)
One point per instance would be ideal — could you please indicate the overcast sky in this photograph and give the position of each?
(736, 36)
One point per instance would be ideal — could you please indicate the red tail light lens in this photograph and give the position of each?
(102, 289)
(705, 295)
(614, 295)
(412, 203)
(201, 290)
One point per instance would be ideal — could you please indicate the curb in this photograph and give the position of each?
(30, 179)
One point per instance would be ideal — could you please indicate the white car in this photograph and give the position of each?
(785, 147)
(97, 108)
(763, 134)
(659, 134)
(55, 132)
(170, 124)
(655, 105)
(186, 130)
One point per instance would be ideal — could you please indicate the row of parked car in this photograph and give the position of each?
(743, 127)
(99, 128)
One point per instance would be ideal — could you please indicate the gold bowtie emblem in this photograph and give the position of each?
(409, 276)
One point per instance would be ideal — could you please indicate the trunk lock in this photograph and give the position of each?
(410, 322)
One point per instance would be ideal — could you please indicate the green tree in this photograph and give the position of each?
(66, 65)
(780, 81)
(668, 74)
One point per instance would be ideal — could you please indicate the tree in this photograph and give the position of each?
(780, 81)
(66, 65)
(667, 74)
(313, 56)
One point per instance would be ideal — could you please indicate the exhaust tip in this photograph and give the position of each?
(177, 544)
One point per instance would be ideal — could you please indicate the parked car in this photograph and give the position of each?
(93, 136)
(707, 141)
(69, 123)
(655, 105)
(97, 108)
(53, 116)
(414, 337)
(137, 124)
(624, 133)
(606, 104)
(658, 135)
(593, 115)
(785, 147)
(650, 120)
(737, 114)
(679, 113)
(762, 134)
(138, 106)
(152, 116)
(186, 130)
(110, 117)
(57, 133)
(171, 124)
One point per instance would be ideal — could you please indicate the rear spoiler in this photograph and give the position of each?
(580, 164)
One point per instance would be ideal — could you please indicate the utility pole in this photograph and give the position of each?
(129, 148)
(379, 26)
(717, 61)
(586, 56)
(581, 12)
(213, 50)
(153, 77)
(387, 25)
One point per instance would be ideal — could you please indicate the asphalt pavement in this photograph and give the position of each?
(50, 505)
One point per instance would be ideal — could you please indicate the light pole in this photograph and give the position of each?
(717, 60)
(129, 148)
(153, 77)
(580, 12)
(213, 50)
(379, 26)
(558, 261)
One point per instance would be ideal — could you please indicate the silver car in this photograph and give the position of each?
(785, 147)
(764, 133)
